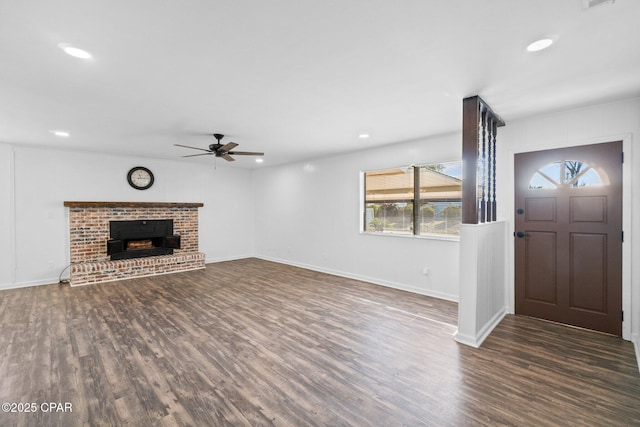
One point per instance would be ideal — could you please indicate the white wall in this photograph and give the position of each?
(43, 179)
(308, 214)
(483, 301)
(7, 241)
(596, 124)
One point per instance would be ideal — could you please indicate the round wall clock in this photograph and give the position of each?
(140, 178)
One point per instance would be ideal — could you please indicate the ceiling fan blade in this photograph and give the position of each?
(203, 154)
(228, 146)
(227, 157)
(195, 148)
(246, 153)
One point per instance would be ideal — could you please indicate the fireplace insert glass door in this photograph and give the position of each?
(141, 238)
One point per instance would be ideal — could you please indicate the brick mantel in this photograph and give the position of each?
(89, 232)
(132, 205)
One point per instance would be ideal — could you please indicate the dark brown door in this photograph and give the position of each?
(568, 235)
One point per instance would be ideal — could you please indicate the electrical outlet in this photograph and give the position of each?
(426, 271)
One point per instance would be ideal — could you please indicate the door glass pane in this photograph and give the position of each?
(580, 174)
(572, 169)
(565, 173)
(539, 182)
(553, 171)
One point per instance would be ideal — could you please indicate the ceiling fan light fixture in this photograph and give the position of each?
(74, 51)
(226, 151)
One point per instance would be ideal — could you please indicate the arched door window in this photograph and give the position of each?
(565, 174)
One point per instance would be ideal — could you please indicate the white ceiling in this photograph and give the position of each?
(297, 79)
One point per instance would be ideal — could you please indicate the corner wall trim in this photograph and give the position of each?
(635, 339)
(477, 340)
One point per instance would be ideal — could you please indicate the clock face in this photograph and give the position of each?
(140, 178)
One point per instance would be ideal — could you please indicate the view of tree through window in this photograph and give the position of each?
(565, 173)
(428, 195)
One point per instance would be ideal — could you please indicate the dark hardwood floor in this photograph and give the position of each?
(254, 343)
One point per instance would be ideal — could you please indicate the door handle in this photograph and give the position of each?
(521, 234)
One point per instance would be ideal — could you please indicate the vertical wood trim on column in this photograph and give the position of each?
(364, 202)
(474, 110)
(490, 170)
(494, 205)
(416, 200)
(470, 120)
(483, 169)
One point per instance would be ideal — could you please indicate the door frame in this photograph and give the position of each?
(627, 174)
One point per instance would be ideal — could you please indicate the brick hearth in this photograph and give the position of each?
(89, 232)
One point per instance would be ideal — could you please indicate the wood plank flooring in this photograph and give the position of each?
(254, 343)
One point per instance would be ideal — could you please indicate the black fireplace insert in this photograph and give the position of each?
(141, 238)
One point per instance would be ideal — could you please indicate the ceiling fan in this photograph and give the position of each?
(220, 150)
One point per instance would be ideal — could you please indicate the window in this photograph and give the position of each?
(428, 195)
(565, 173)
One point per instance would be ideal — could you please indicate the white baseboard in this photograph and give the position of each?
(373, 280)
(635, 339)
(27, 284)
(231, 258)
(465, 339)
(477, 340)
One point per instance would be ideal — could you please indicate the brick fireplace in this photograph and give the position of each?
(89, 232)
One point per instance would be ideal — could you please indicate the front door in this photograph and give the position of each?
(568, 235)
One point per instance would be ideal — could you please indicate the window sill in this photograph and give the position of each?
(443, 237)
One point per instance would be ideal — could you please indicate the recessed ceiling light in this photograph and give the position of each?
(539, 45)
(364, 136)
(74, 51)
(60, 133)
(259, 160)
